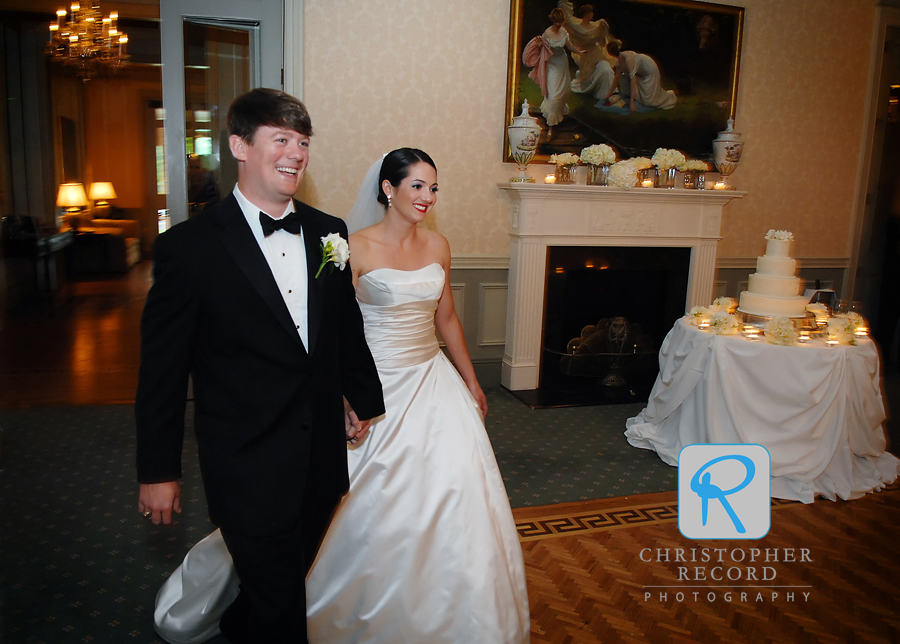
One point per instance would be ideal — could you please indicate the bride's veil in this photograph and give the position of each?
(366, 210)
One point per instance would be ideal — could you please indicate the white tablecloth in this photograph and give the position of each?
(817, 409)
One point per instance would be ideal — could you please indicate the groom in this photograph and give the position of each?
(272, 347)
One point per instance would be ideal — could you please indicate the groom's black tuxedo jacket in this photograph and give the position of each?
(268, 414)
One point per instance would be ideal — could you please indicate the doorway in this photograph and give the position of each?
(878, 262)
(213, 51)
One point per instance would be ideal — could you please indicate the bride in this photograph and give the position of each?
(423, 548)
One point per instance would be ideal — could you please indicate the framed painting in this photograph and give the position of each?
(635, 74)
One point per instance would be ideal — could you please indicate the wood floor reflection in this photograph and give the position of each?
(85, 352)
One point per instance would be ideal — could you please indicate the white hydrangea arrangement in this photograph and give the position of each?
(697, 314)
(843, 328)
(623, 174)
(781, 330)
(693, 165)
(728, 304)
(818, 309)
(723, 323)
(641, 163)
(600, 154)
(566, 158)
(782, 235)
(664, 158)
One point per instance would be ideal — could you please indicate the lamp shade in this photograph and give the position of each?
(102, 191)
(71, 195)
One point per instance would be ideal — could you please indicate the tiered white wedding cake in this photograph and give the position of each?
(774, 288)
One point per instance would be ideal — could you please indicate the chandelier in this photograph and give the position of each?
(87, 40)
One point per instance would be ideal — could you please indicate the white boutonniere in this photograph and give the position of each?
(334, 249)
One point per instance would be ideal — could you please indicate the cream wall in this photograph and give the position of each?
(382, 74)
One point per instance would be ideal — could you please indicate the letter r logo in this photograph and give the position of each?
(723, 491)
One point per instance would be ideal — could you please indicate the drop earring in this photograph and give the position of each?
(389, 201)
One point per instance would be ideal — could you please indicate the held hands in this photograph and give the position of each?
(355, 428)
(157, 500)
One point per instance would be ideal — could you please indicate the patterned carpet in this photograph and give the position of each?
(79, 564)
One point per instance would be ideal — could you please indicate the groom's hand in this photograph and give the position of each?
(157, 500)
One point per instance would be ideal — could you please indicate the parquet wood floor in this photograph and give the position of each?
(590, 582)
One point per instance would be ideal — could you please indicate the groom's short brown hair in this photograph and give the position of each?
(264, 106)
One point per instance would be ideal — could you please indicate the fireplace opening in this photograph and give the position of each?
(607, 309)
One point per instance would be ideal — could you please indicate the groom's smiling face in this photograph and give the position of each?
(272, 165)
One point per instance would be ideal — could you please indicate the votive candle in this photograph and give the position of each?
(720, 185)
(647, 183)
(550, 178)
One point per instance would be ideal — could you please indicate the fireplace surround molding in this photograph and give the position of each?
(581, 215)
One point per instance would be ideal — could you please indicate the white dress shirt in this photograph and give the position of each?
(286, 255)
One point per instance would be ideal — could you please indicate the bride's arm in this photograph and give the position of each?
(358, 252)
(451, 331)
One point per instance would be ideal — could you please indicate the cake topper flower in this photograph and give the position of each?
(782, 235)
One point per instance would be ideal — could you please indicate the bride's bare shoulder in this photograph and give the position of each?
(437, 245)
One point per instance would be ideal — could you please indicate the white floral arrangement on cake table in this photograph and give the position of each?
(782, 235)
(664, 158)
(693, 165)
(781, 330)
(566, 158)
(727, 304)
(600, 154)
(818, 309)
(697, 314)
(723, 323)
(843, 328)
(624, 174)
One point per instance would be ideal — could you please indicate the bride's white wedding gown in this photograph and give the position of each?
(423, 548)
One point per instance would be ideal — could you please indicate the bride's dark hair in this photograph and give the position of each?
(396, 165)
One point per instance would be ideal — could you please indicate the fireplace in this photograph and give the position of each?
(588, 219)
(606, 310)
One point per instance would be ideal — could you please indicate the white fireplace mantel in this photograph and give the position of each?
(579, 215)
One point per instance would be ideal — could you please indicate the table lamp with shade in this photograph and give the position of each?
(71, 197)
(101, 193)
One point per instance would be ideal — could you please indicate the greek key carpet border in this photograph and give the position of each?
(561, 524)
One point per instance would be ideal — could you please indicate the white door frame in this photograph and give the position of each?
(267, 71)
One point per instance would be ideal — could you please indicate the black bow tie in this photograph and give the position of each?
(290, 223)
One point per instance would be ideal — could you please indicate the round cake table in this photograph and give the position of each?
(817, 409)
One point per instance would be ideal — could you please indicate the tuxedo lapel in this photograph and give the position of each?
(311, 238)
(245, 251)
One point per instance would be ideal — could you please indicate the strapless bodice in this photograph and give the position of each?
(398, 309)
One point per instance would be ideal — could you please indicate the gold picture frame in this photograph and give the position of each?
(696, 47)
